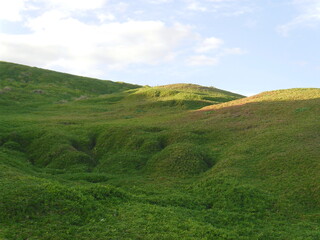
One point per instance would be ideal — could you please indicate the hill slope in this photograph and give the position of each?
(150, 163)
(19, 83)
(33, 87)
(273, 142)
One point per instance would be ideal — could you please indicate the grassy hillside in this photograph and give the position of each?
(176, 161)
(25, 85)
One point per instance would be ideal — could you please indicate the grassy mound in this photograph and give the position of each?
(188, 96)
(56, 150)
(181, 159)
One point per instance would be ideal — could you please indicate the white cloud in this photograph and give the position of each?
(309, 16)
(11, 10)
(57, 39)
(209, 44)
(66, 43)
(202, 60)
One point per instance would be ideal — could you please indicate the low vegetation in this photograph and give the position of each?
(83, 158)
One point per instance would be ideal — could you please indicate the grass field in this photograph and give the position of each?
(83, 158)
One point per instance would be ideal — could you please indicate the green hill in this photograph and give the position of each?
(25, 85)
(168, 162)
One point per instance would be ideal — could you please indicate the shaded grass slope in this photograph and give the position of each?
(274, 139)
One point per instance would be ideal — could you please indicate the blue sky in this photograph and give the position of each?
(245, 46)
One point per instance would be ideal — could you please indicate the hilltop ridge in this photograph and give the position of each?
(294, 94)
(33, 86)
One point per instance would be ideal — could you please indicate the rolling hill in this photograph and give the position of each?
(83, 158)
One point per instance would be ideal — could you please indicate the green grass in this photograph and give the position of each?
(168, 162)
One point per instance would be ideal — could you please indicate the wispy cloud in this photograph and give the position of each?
(75, 5)
(208, 44)
(159, 1)
(196, 6)
(210, 51)
(232, 51)
(202, 60)
(221, 7)
(309, 16)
